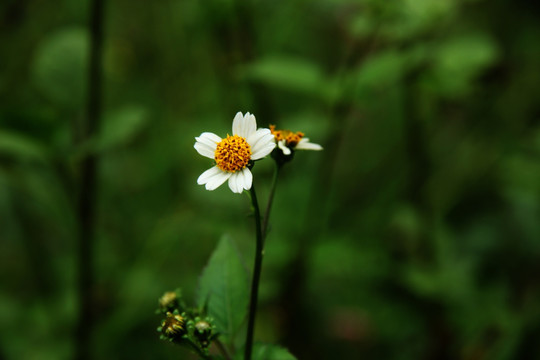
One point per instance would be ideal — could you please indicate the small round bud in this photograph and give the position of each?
(169, 300)
(203, 332)
(173, 326)
(203, 326)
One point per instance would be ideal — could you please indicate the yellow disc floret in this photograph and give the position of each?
(232, 153)
(291, 138)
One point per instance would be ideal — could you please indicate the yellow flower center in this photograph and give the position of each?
(232, 153)
(291, 138)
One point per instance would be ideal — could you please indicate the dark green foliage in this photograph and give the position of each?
(415, 234)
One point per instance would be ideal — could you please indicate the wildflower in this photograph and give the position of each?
(287, 141)
(235, 154)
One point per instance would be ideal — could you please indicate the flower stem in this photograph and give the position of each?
(199, 352)
(261, 230)
(223, 349)
(256, 276)
(270, 201)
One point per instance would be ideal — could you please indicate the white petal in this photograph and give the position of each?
(213, 178)
(235, 183)
(244, 125)
(283, 147)
(263, 152)
(206, 144)
(304, 144)
(263, 147)
(240, 181)
(205, 150)
(217, 180)
(237, 121)
(208, 138)
(257, 136)
(208, 175)
(251, 124)
(248, 178)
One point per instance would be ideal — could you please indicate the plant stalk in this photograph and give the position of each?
(270, 201)
(223, 349)
(256, 275)
(261, 231)
(201, 354)
(86, 211)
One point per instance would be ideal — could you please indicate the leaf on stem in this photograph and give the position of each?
(267, 352)
(224, 289)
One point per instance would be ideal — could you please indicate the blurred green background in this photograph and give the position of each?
(415, 234)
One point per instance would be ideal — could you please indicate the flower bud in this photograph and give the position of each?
(173, 326)
(169, 301)
(203, 332)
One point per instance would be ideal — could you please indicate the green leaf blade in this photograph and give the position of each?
(267, 352)
(224, 289)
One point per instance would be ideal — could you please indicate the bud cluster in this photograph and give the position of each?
(185, 326)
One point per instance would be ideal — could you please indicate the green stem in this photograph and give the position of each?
(223, 349)
(270, 201)
(88, 192)
(256, 276)
(261, 231)
(199, 352)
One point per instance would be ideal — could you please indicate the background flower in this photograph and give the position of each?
(288, 141)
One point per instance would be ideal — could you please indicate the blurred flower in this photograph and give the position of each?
(234, 153)
(287, 141)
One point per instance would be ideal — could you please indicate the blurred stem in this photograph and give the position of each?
(199, 352)
(223, 349)
(270, 200)
(87, 187)
(256, 275)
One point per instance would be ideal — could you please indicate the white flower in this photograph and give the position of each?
(287, 141)
(233, 154)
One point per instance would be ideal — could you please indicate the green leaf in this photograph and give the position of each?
(459, 60)
(20, 146)
(288, 73)
(224, 290)
(469, 54)
(267, 352)
(272, 352)
(59, 69)
(384, 68)
(120, 127)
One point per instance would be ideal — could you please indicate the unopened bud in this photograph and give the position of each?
(203, 332)
(169, 300)
(173, 326)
